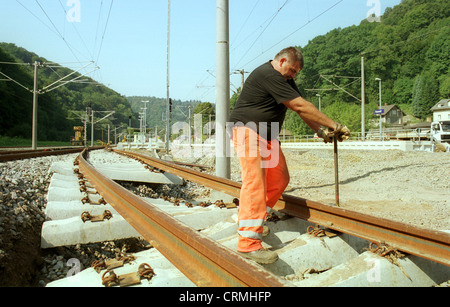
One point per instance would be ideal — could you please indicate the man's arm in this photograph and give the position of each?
(310, 114)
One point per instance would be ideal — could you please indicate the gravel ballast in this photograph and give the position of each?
(409, 187)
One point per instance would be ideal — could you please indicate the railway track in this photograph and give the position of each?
(318, 245)
(14, 154)
(433, 245)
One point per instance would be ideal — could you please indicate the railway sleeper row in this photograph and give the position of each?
(309, 255)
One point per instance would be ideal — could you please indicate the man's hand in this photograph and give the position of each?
(341, 132)
(325, 135)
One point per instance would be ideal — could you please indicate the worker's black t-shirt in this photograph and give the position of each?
(261, 100)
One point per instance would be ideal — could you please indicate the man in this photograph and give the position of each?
(259, 113)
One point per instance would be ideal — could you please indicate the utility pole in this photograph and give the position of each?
(44, 90)
(380, 107)
(242, 72)
(190, 132)
(35, 107)
(92, 124)
(363, 101)
(222, 89)
(86, 120)
(168, 80)
(143, 129)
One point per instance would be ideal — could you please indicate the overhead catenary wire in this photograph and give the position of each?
(104, 31)
(59, 33)
(35, 16)
(73, 72)
(295, 31)
(76, 31)
(262, 32)
(54, 29)
(98, 23)
(268, 21)
(16, 82)
(245, 22)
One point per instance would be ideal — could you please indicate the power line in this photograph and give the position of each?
(254, 42)
(104, 31)
(62, 37)
(78, 33)
(295, 31)
(245, 22)
(98, 24)
(36, 17)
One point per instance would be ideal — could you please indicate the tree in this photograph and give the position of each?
(403, 88)
(425, 94)
(205, 109)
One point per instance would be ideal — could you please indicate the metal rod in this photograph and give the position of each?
(363, 100)
(336, 171)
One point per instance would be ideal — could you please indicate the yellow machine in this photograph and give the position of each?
(78, 139)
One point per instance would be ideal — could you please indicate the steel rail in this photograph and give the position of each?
(36, 153)
(425, 243)
(204, 261)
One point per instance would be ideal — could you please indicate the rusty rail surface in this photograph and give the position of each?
(425, 243)
(204, 261)
(13, 155)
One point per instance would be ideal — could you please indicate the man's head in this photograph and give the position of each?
(289, 62)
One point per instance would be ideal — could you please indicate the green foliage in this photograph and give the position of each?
(425, 94)
(207, 110)
(156, 111)
(342, 112)
(54, 107)
(408, 50)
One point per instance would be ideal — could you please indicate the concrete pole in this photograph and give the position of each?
(35, 108)
(168, 94)
(86, 120)
(380, 107)
(363, 101)
(189, 129)
(222, 89)
(92, 128)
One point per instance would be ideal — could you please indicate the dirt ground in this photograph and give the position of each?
(409, 187)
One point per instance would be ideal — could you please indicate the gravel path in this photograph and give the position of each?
(409, 187)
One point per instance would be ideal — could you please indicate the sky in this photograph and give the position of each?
(123, 43)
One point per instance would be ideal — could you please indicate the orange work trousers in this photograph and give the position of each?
(264, 176)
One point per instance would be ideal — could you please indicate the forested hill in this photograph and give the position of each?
(409, 50)
(156, 109)
(56, 116)
(54, 107)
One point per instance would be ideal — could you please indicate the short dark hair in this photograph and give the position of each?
(292, 54)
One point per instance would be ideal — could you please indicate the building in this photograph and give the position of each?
(441, 110)
(392, 115)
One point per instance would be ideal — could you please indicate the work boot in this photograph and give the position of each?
(261, 256)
